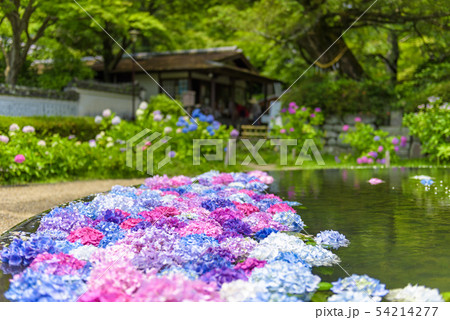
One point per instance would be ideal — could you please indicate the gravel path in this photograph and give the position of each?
(21, 202)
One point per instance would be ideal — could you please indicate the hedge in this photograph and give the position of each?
(84, 128)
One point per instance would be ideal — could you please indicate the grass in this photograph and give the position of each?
(177, 167)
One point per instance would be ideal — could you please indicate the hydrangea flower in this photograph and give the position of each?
(364, 284)
(288, 279)
(332, 239)
(414, 293)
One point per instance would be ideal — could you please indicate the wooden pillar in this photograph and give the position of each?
(160, 83)
(265, 96)
(189, 80)
(213, 94)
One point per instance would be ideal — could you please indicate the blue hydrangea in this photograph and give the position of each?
(21, 252)
(284, 278)
(206, 263)
(289, 219)
(263, 233)
(213, 204)
(353, 296)
(364, 284)
(34, 286)
(290, 257)
(331, 238)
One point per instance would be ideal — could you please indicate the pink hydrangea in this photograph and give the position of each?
(20, 158)
(345, 127)
(58, 264)
(86, 235)
(120, 275)
(223, 178)
(176, 288)
(105, 295)
(280, 207)
(246, 208)
(159, 212)
(250, 264)
(357, 119)
(130, 223)
(207, 226)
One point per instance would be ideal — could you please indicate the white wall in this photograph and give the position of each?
(150, 86)
(32, 106)
(93, 102)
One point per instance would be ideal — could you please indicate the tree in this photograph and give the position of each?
(24, 23)
(117, 18)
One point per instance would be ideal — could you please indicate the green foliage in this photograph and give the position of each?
(431, 124)
(370, 145)
(84, 128)
(164, 104)
(50, 156)
(342, 95)
(299, 123)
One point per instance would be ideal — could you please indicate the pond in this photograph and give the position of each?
(399, 231)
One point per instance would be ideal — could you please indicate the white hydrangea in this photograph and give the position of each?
(240, 290)
(83, 252)
(415, 293)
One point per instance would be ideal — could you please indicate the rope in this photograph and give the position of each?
(332, 62)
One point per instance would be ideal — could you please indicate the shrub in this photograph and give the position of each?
(299, 123)
(84, 128)
(431, 124)
(370, 145)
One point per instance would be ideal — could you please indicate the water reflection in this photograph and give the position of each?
(399, 230)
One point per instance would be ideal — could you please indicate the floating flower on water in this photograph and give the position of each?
(332, 239)
(86, 235)
(415, 293)
(4, 139)
(28, 129)
(14, 127)
(345, 127)
(98, 119)
(427, 182)
(364, 284)
(352, 296)
(106, 113)
(357, 119)
(20, 158)
(375, 181)
(115, 121)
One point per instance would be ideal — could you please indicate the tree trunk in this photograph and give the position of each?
(392, 57)
(13, 66)
(316, 42)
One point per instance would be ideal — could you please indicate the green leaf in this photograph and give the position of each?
(324, 286)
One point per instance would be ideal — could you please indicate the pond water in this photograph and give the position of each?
(399, 230)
